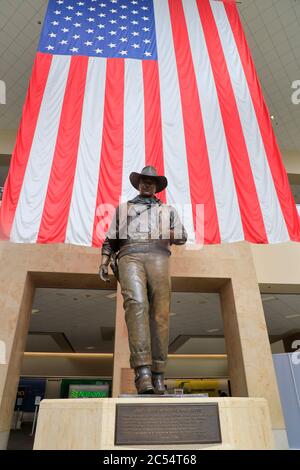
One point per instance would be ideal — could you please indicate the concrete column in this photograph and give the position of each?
(250, 362)
(16, 296)
(23, 267)
(121, 352)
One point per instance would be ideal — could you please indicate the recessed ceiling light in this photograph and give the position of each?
(35, 310)
(272, 117)
(268, 298)
(90, 347)
(172, 314)
(293, 316)
(213, 330)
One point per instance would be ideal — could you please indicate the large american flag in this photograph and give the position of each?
(117, 85)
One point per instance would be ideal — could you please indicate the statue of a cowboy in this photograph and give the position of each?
(140, 236)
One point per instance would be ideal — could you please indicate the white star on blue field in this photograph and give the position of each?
(100, 28)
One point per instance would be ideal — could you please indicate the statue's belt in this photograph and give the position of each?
(143, 247)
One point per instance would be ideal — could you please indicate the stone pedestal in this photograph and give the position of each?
(90, 423)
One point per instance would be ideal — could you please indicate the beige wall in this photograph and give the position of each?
(66, 367)
(291, 162)
(278, 267)
(7, 141)
(278, 347)
(51, 366)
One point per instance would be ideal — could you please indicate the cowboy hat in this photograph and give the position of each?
(161, 182)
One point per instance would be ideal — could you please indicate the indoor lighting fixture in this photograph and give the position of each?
(111, 296)
(268, 298)
(35, 310)
(110, 355)
(69, 355)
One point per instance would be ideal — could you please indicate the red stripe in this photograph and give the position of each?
(252, 219)
(278, 172)
(111, 164)
(201, 187)
(24, 141)
(59, 193)
(153, 126)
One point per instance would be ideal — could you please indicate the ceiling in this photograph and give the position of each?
(272, 28)
(19, 35)
(84, 320)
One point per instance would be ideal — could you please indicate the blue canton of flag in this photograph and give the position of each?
(107, 28)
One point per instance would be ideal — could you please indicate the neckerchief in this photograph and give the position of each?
(145, 200)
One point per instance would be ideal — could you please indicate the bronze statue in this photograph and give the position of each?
(139, 238)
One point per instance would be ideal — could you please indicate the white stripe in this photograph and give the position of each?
(134, 125)
(273, 218)
(84, 196)
(227, 206)
(175, 158)
(34, 189)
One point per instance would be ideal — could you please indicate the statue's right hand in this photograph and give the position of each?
(103, 273)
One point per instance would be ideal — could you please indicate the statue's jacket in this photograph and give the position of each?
(144, 225)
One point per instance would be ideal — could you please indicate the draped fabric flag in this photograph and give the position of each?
(119, 84)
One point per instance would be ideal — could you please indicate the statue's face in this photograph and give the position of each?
(147, 187)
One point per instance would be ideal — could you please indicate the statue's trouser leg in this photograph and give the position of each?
(157, 270)
(144, 278)
(133, 282)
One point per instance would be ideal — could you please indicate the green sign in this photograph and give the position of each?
(88, 394)
(77, 384)
(88, 391)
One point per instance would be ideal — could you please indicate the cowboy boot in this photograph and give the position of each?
(143, 380)
(158, 383)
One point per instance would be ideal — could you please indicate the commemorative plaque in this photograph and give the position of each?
(167, 423)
